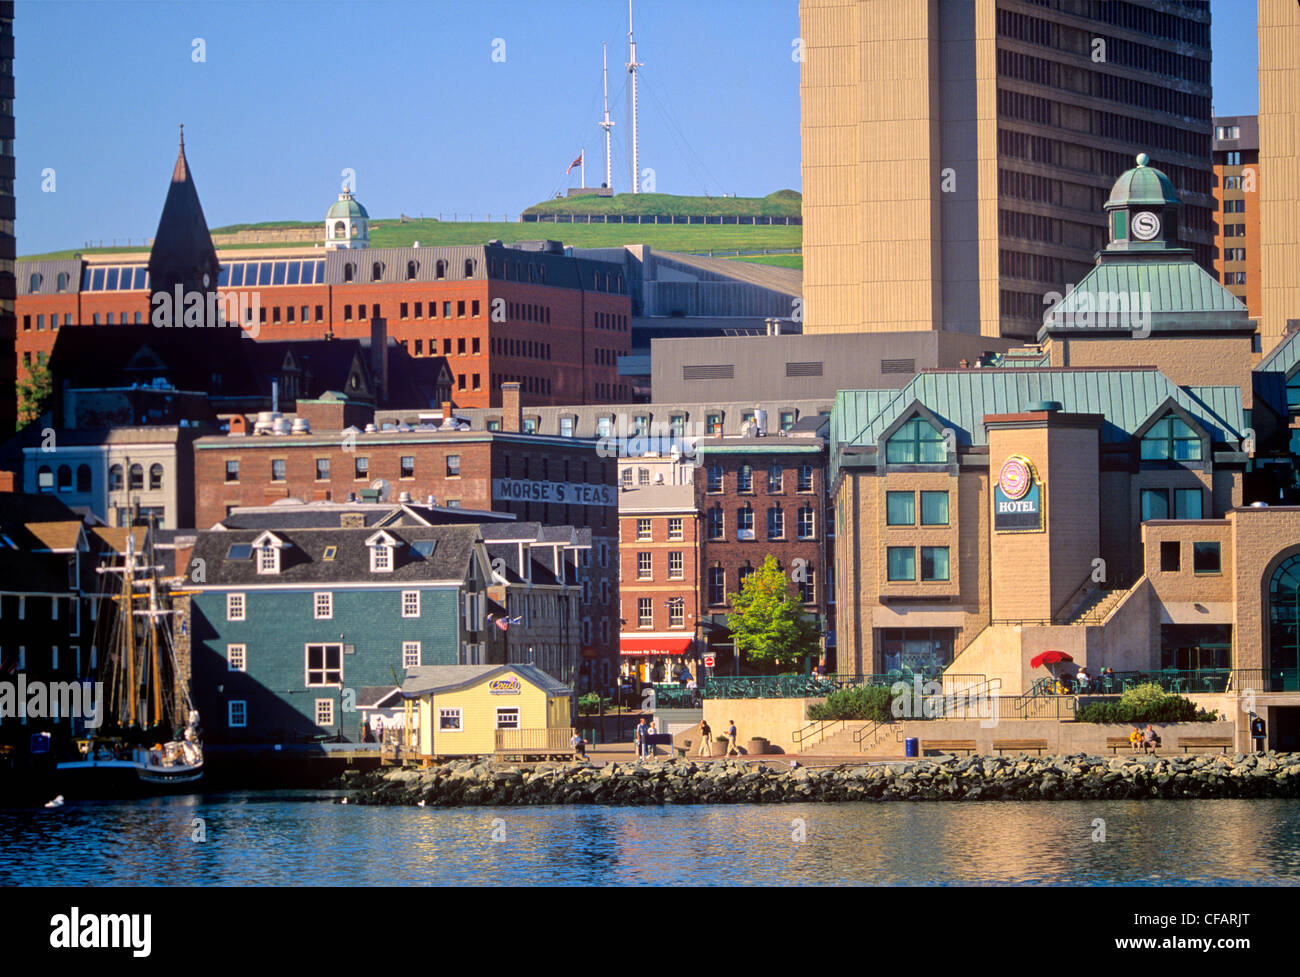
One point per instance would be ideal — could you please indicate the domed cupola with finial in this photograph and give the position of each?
(347, 225)
(1143, 209)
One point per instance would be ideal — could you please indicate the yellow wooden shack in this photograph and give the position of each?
(478, 710)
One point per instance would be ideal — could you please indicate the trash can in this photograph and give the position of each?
(911, 746)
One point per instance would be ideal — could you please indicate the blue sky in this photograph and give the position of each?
(409, 96)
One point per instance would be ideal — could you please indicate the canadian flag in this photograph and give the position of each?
(576, 162)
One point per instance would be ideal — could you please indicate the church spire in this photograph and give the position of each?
(182, 247)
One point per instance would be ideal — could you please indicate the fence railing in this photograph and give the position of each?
(671, 696)
(551, 740)
(739, 219)
(813, 686)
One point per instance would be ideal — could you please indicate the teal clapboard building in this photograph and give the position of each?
(288, 626)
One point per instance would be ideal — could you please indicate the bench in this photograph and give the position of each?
(948, 746)
(1117, 743)
(1019, 746)
(1224, 743)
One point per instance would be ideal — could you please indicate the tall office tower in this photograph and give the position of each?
(8, 244)
(956, 156)
(1236, 192)
(1279, 158)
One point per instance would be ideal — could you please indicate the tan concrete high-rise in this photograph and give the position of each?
(1279, 160)
(956, 155)
(1237, 178)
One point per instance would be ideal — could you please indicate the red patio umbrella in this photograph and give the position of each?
(1049, 658)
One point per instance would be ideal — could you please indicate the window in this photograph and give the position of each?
(745, 523)
(934, 563)
(361, 468)
(644, 567)
(1187, 503)
(330, 553)
(807, 528)
(675, 528)
(410, 603)
(775, 523)
(1171, 439)
(407, 466)
(717, 585)
(268, 559)
(234, 607)
(1155, 504)
(508, 718)
(645, 613)
(324, 606)
(324, 664)
(381, 559)
(805, 478)
(900, 508)
(774, 479)
(902, 562)
(237, 713)
(1205, 558)
(324, 712)
(643, 529)
(808, 586)
(136, 478)
(566, 427)
(1171, 556)
(277, 470)
(83, 478)
(602, 427)
(677, 612)
(787, 420)
(322, 469)
(236, 658)
(625, 477)
(934, 508)
(716, 529)
(643, 476)
(453, 466)
(675, 565)
(450, 721)
(410, 654)
(745, 479)
(714, 478)
(916, 443)
(232, 473)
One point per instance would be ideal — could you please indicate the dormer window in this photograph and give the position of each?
(1171, 439)
(381, 546)
(916, 442)
(267, 549)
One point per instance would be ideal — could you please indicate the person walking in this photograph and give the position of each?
(379, 729)
(650, 748)
(640, 735)
(706, 741)
(731, 738)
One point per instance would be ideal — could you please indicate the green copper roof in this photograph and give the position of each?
(960, 399)
(1163, 292)
(1271, 376)
(1142, 186)
(346, 206)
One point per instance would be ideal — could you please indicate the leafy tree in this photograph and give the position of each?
(768, 621)
(34, 392)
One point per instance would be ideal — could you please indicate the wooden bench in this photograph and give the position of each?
(1224, 743)
(1019, 746)
(1117, 743)
(947, 746)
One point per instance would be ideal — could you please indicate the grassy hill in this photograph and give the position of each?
(664, 237)
(783, 203)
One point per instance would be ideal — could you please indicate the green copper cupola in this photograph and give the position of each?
(1143, 209)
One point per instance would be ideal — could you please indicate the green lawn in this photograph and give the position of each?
(783, 203)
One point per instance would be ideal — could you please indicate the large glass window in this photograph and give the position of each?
(902, 562)
(1155, 504)
(916, 443)
(1284, 618)
(934, 563)
(1205, 558)
(1171, 439)
(1187, 503)
(900, 508)
(934, 508)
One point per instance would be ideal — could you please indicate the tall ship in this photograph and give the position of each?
(150, 739)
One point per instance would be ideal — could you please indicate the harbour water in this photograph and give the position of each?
(305, 838)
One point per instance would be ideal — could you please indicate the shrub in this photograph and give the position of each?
(1145, 704)
(863, 702)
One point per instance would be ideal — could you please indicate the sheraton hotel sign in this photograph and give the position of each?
(1017, 497)
(557, 493)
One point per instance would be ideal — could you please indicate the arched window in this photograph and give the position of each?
(916, 443)
(376, 272)
(469, 267)
(1284, 615)
(155, 476)
(412, 268)
(340, 229)
(349, 271)
(65, 478)
(115, 478)
(62, 281)
(44, 479)
(83, 478)
(440, 269)
(137, 478)
(1171, 439)
(35, 283)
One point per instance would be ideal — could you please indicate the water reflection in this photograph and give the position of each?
(299, 838)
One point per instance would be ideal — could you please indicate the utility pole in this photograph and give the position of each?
(604, 122)
(632, 65)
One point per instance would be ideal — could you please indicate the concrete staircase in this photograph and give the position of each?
(1093, 606)
(882, 738)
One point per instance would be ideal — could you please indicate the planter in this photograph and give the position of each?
(757, 746)
(720, 745)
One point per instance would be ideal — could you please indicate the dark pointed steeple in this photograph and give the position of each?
(182, 247)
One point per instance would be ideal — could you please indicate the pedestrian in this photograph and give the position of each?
(731, 738)
(579, 747)
(706, 744)
(651, 730)
(379, 729)
(639, 736)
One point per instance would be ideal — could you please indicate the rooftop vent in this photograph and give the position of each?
(1041, 405)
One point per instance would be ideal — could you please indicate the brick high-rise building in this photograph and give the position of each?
(1236, 195)
(956, 155)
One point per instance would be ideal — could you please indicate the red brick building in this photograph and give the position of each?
(658, 580)
(758, 496)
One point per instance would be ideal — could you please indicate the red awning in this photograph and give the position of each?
(654, 646)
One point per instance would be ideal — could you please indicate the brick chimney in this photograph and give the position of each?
(379, 358)
(511, 407)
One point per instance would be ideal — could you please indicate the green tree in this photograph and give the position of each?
(768, 621)
(34, 392)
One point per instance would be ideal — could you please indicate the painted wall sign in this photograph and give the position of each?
(1018, 497)
(505, 686)
(560, 493)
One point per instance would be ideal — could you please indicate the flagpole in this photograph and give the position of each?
(583, 156)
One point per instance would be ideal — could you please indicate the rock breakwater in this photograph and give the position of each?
(977, 778)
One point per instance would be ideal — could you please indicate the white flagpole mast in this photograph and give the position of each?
(583, 168)
(632, 65)
(605, 123)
